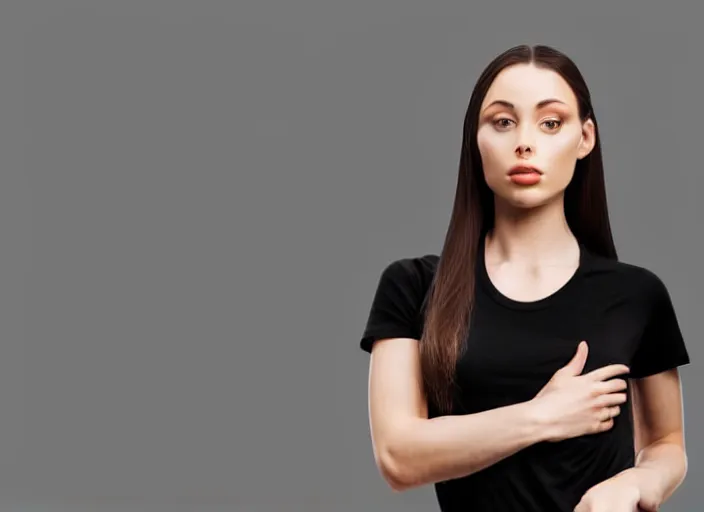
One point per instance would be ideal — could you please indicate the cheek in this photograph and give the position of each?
(494, 149)
(561, 153)
(564, 145)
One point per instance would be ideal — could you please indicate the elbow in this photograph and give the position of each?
(684, 467)
(398, 475)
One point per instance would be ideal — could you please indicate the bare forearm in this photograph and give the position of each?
(660, 469)
(432, 450)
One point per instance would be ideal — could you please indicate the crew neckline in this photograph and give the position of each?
(544, 302)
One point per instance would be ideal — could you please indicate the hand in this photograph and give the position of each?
(571, 405)
(612, 495)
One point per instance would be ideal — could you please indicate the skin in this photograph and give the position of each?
(554, 132)
(531, 227)
(530, 254)
(530, 221)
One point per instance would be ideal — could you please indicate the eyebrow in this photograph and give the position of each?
(510, 105)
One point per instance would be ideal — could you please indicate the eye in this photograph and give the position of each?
(555, 124)
(502, 122)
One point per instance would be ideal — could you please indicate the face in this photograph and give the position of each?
(530, 117)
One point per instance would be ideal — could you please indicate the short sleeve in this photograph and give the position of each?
(395, 308)
(662, 346)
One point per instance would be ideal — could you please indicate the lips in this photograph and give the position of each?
(524, 169)
(525, 175)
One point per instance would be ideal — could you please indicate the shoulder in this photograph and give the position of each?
(639, 279)
(397, 307)
(414, 268)
(408, 279)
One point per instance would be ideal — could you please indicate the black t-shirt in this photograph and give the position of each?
(623, 311)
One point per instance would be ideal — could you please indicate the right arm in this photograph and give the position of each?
(412, 450)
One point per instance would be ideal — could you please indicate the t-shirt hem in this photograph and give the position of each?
(653, 370)
(367, 341)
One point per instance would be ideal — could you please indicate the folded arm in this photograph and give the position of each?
(661, 459)
(412, 450)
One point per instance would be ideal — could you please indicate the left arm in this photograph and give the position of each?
(661, 459)
(660, 456)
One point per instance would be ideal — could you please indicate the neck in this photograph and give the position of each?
(534, 236)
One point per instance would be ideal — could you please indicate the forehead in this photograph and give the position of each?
(524, 85)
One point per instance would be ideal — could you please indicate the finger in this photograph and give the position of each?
(576, 364)
(611, 399)
(608, 413)
(610, 386)
(604, 414)
(603, 426)
(607, 372)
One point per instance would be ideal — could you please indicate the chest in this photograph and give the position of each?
(528, 284)
(509, 355)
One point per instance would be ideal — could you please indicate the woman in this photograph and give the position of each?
(526, 368)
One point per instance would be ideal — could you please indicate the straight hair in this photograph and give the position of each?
(450, 300)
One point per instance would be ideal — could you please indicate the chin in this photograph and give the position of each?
(525, 198)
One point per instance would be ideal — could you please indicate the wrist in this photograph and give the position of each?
(538, 422)
(642, 477)
(646, 480)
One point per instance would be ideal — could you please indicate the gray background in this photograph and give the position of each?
(196, 201)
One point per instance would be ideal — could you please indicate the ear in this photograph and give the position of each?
(587, 140)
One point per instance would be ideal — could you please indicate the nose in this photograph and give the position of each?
(525, 142)
(524, 150)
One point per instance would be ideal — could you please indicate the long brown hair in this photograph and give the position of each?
(451, 296)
